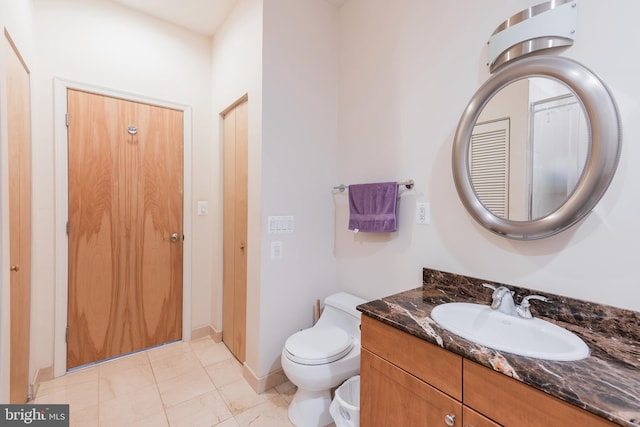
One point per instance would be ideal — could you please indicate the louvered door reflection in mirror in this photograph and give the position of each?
(489, 165)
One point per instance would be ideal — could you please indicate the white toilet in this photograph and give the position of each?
(320, 358)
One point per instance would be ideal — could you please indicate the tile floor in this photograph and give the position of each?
(195, 384)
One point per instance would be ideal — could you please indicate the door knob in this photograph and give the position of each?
(174, 237)
(450, 420)
(14, 268)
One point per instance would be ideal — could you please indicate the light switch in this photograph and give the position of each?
(423, 213)
(203, 207)
(276, 250)
(280, 224)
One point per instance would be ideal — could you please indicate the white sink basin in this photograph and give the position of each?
(526, 337)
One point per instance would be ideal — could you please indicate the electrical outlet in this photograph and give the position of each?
(423, 213)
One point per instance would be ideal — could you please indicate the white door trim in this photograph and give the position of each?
(62, 211)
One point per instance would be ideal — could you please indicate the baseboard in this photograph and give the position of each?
(42, 375)
(260, 385)
(216, 335)
(206, 331)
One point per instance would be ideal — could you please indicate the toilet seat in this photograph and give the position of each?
(318, 345)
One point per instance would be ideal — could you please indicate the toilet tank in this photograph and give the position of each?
(340, 310)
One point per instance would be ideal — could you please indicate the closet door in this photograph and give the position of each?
(235, 229)
(19, 142)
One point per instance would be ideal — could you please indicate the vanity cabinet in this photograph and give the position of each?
(409, 382)
(393, 397)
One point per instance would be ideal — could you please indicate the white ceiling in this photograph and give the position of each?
(202, 16)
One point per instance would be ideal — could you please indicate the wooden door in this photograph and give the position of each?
(234, 290)
(125, 204)
(19, 145)
(389, 396)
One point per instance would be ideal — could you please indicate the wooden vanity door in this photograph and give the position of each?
(473, 419)
(390, 396)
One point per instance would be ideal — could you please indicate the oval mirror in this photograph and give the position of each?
(536, 147)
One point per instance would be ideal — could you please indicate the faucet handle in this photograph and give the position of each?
(498, 291)
(486, 285)
(523, 309)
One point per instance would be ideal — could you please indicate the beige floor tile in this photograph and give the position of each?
(186, 386)
(272, 413)
(168, 386)
(239, 396)
(210, 352)
(231, 422)
(167, 350)
(287, 390)
(130, 408)
(175, 365)
(81, 376)
(156, 420)
(129, 361)
(78, 396)
(205, 410)
(118, 382)
(225, 372)
(87, 417)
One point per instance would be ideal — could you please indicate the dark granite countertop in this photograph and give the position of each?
(607, 383)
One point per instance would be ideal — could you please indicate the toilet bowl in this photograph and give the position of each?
(320, 358)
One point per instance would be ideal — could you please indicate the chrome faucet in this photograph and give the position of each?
(502, 299)
(523, 308)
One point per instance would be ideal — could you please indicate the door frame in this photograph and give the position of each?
(62, 209)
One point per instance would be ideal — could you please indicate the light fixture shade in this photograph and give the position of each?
(544, 26)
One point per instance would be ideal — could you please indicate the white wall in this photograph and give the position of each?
(236, 71)
(299, 151)
(407, 70)
(16, 19)
(283, 54)
(103, 44)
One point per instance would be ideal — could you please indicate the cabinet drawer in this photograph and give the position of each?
(432, 364)
(389, 396)
(514, 404)
(471, 418)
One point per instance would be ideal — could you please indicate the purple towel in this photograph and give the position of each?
(372, 207)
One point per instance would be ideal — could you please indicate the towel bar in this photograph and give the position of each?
(408, 183)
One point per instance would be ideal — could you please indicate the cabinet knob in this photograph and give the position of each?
(14, 268)
(450, 420)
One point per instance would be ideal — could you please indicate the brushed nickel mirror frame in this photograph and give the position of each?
(605, 144)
